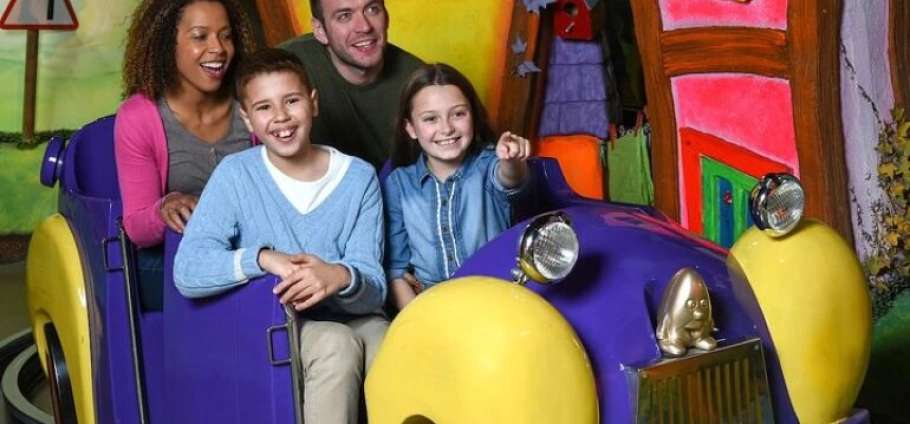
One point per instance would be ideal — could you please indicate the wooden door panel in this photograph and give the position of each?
(725, 116)
(726, 49)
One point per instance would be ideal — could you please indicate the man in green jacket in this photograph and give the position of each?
(357, 73)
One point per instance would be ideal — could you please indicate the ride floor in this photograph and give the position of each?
(13, 309)
(13, 312)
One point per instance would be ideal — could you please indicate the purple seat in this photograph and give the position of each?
(218, 364)
(91, 149)
(90, 201)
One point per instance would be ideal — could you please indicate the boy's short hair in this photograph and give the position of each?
(268, 61)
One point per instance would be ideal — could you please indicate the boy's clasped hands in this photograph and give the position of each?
(305, 279)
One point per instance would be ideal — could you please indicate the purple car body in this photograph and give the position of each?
(202, 361)
(221, 359)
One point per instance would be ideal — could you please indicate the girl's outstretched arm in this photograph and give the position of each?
(512, 151)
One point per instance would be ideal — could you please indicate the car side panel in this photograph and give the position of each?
(56, 293)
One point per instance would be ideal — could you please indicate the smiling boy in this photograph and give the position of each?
(279, 208)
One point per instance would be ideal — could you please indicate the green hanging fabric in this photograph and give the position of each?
(629, 168)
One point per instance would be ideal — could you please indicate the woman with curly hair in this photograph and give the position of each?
(179, 120)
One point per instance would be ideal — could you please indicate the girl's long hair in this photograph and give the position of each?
(405, 149)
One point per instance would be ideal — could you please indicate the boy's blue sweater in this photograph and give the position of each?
(242, 210)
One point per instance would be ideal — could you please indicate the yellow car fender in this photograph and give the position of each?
(481, 350)
(813, 294)
(55, 285)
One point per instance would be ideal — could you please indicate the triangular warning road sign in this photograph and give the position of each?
(39, 14)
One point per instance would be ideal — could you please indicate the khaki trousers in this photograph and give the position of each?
(335, 359)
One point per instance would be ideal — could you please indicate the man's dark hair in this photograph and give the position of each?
(268, 61)
(316, 10)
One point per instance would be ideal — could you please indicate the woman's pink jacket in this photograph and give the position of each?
(140, 147)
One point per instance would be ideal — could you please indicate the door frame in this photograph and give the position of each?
(899, 42)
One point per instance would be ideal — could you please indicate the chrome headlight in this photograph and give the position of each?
(547, 250)
(777, 203)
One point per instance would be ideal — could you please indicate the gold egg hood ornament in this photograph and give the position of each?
(685, 317)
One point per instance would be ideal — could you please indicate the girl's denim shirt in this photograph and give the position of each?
(432, 226)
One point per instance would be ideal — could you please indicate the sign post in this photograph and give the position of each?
(34, 15)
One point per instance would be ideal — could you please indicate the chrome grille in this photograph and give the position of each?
(728, 385)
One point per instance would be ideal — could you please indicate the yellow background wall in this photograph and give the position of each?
(470, 35)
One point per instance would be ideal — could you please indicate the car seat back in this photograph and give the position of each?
(90, 200)
(92, 148)
(581, 157)
(224, 348)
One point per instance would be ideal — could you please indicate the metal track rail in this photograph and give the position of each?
(22, 376)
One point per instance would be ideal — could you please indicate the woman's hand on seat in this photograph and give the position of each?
(176, 209)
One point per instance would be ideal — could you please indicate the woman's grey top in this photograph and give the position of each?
(191, 160)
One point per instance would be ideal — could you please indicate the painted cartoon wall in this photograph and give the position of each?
(79, 74)
(78, 71)
(867, 98)
(78, 80)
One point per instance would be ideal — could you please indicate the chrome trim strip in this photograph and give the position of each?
(131, 299)
(293, 326)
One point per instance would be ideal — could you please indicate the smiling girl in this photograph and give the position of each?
(450, 191)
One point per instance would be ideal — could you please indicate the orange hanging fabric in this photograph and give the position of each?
(579, 156)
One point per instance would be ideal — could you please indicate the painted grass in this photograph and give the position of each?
(25, 202)
(887, 386)
(63, 101)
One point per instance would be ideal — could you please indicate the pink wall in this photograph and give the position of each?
(746, 110)
(678, 14)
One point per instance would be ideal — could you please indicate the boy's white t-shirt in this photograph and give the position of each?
(308, 195)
